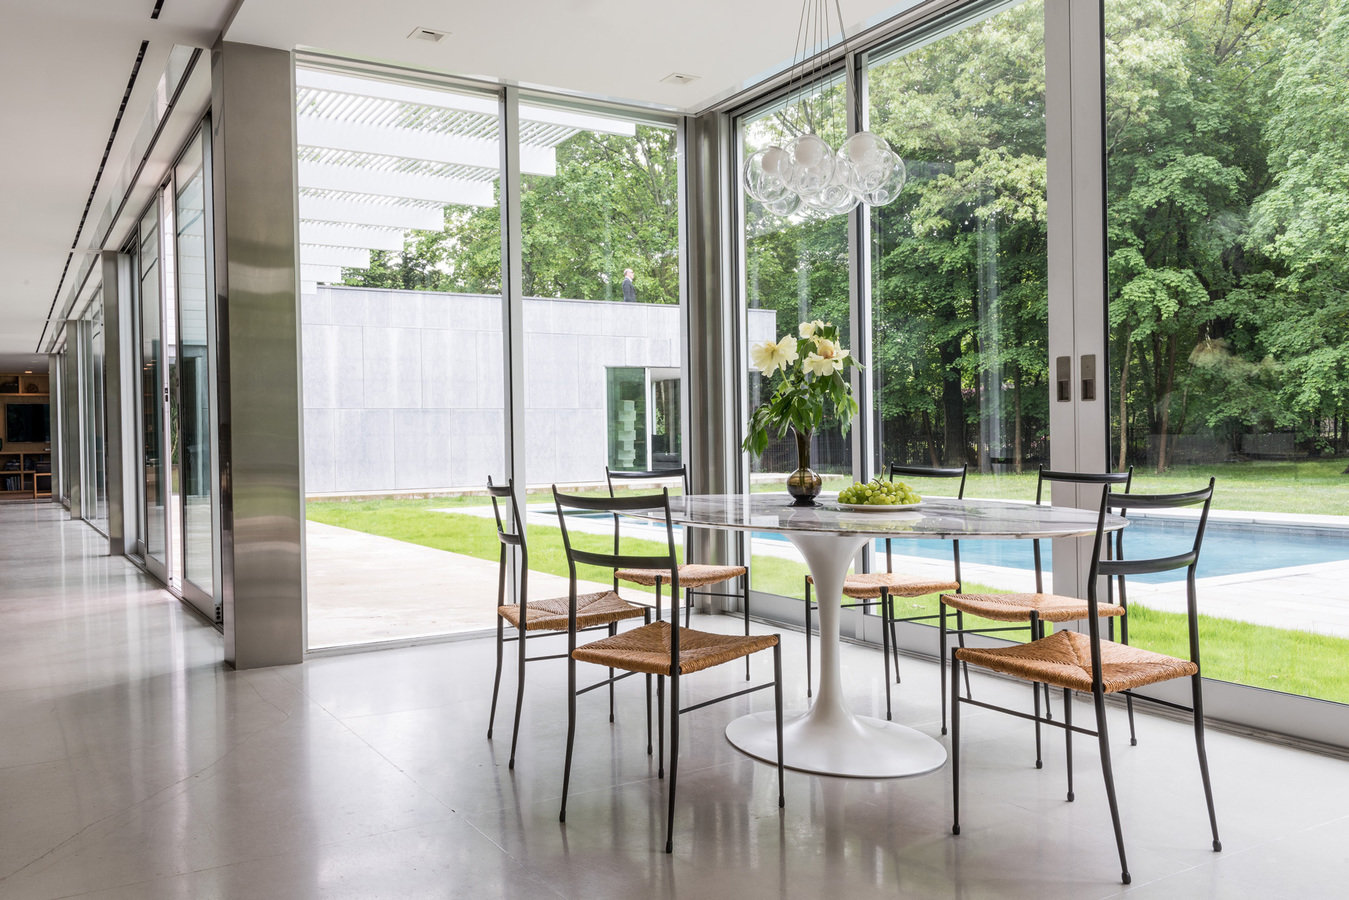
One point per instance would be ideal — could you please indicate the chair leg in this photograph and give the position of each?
(660, 726)
(648, 715)
(571, 735)
(894, 644)
(1129, 705)
(496, 683)
(960, 639)
(941, 659)
(1068, 737)
(1103, 738)
(688, 607)
(1036, 629)
(519, 694)
(955, 744)
(777, 708)
(1049, 710)
(613, 630)
(674, 759)
(744, 604)
(885, 647)
(809, 670)
(1203, 759)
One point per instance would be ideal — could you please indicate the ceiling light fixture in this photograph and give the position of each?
(807, 175)
(678, 78)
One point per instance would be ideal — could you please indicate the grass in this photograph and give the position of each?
(1296, 662)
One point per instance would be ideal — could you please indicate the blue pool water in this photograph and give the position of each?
(1229, 549)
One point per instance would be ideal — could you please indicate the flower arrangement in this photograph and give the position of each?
(814, 382)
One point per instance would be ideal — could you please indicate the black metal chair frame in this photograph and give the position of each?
(1119, 568)
(682, 473)
(513, 535)
(1033, 625)
(889, 644)
(617, 506)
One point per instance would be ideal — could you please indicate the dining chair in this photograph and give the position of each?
(1031, 611)
(657, 648)
(695, 578)
(1088, 663)
(601, 610)
(871, 589)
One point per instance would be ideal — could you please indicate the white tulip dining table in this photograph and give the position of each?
(829, 738)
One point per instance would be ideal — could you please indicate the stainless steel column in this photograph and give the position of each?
(714, 324)
(1075, 144)
(120, 425)
(257, 308)
(72, 419)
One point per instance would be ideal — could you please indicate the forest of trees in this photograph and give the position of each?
(1227, 138)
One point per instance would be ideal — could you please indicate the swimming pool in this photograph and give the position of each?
(1229, 549)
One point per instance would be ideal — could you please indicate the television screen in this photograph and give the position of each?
(27, 423)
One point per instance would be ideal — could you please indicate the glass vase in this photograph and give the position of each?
(803, 484)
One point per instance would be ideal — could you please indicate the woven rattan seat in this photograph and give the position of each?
(868, 585)
(690, 575)
(1064, 660)
(599, 608)
(647, 649)
(1018, 607)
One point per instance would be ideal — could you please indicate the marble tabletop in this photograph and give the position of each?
(942, 518)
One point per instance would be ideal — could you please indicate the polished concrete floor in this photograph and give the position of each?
(134, 764)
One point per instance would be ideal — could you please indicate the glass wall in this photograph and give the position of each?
(600, 225)
(94, 487)
(1229, 323)
(958, 283)
(401, 315)
(195, 373)
(152, 394)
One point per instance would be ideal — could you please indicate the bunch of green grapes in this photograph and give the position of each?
(878, 493)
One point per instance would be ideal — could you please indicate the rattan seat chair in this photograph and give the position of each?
(1032, 610)
(602, 610)
(1087, 662)
(880, 588)
(694, 577)
(659, 648)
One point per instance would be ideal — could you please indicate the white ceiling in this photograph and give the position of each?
(64, 66)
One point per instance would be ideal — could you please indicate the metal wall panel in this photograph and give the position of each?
(120, 426)
(713, 328)
(257, 305)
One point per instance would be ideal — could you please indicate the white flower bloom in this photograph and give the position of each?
(808, 329)
(822, 366)
(826, 348)
(768, 357)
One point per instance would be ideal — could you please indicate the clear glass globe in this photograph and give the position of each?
(763, 178)
(785, 205)
(888, 190)
(810, 164)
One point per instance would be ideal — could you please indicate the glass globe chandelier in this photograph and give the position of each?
(809, 176)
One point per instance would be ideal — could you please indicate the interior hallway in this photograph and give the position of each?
(134, 764)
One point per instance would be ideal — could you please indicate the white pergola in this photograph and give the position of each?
(377, 159)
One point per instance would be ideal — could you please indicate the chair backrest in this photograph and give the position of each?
(1188, 559)
(638, 478)
(1106, 479)
(961, 471)
(616, 560)
(511, 533)
(932, 472)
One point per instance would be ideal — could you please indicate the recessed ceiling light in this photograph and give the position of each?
(427, 34)
(678, 78)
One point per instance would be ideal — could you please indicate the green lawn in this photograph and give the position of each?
(1282, 659)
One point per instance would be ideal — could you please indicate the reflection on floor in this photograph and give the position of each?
(133, 764)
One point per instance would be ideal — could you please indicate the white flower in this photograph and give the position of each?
(808, 329)
(768, 357)
(822, 366)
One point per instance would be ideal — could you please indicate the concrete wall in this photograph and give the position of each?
(403, 389)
